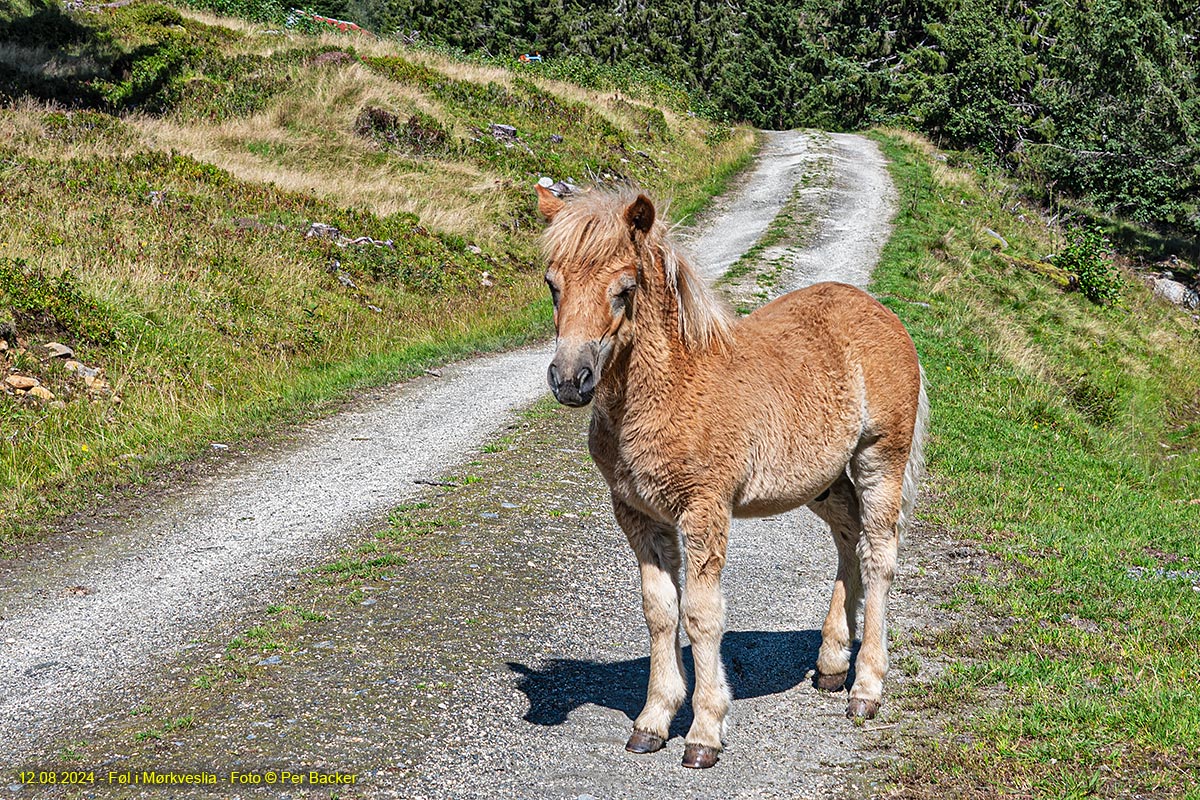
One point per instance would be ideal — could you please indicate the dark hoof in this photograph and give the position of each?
(859, 708)
(699, 756)
(831, 683)
(642, 742)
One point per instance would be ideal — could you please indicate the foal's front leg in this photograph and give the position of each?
(657, 550)
(706, 535)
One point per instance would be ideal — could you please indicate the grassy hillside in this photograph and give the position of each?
(162, 173)
(1066, 442)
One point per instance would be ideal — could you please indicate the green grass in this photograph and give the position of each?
(390, 547)
(158, 227)
(176, 725)
(1065, 444)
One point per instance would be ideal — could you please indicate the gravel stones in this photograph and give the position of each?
(81, 369)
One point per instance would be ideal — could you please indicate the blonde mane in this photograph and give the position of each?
(591, 230)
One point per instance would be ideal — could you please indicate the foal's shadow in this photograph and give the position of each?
(757, 663)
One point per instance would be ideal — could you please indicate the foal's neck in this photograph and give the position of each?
(642, 378)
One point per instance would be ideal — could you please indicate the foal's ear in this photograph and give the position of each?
(548, 202)
(640, 214)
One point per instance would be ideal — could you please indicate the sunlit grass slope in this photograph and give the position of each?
(161, 174)
(1067, 443)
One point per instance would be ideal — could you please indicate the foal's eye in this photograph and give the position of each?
(553, 292)
(621, 299)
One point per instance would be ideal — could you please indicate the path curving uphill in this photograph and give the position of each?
(96, 617)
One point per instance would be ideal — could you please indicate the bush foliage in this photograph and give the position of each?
(1089, 256)
(53, 303)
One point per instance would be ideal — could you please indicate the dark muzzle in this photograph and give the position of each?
(572, 384)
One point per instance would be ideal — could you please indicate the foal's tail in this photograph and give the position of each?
(916, 459)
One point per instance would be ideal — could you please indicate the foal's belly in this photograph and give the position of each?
(662, 488)
(765, 493)
(768, 508)
(781, 494)
(778, 503)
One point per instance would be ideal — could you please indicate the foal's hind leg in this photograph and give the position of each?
(657, 550)
(878, 474)
(839, 509)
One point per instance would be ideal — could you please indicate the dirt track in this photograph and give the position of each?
(535, 703)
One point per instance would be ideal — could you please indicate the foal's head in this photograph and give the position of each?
(592, 247)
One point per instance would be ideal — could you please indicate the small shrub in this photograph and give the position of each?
(424, 275)
(79, 127)
(150, 78)
(377, 124)
(254, 10)
(1097, 404)
(425, 135)
(477, 99)
(538, 102)
(650, 121)
(420, 134)
(404, 71)
(654, 123)
(153, 14)
(48, 303)
(717, 134)
(331, 58)
(1089, 256)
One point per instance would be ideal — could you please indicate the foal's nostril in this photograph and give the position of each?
(587, 381)
(552, 378)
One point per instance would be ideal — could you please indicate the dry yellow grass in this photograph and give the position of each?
(317, 118)
(598, 101)
(284, 143)
(943, 174)
(234, 24)
(26, 128)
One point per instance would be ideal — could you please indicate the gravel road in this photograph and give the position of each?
(81, 623)
(785, 739)
(548, 705)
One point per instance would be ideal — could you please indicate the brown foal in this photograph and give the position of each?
(815, 399)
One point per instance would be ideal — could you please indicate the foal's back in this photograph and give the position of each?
(839, 337)
(830, 318)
